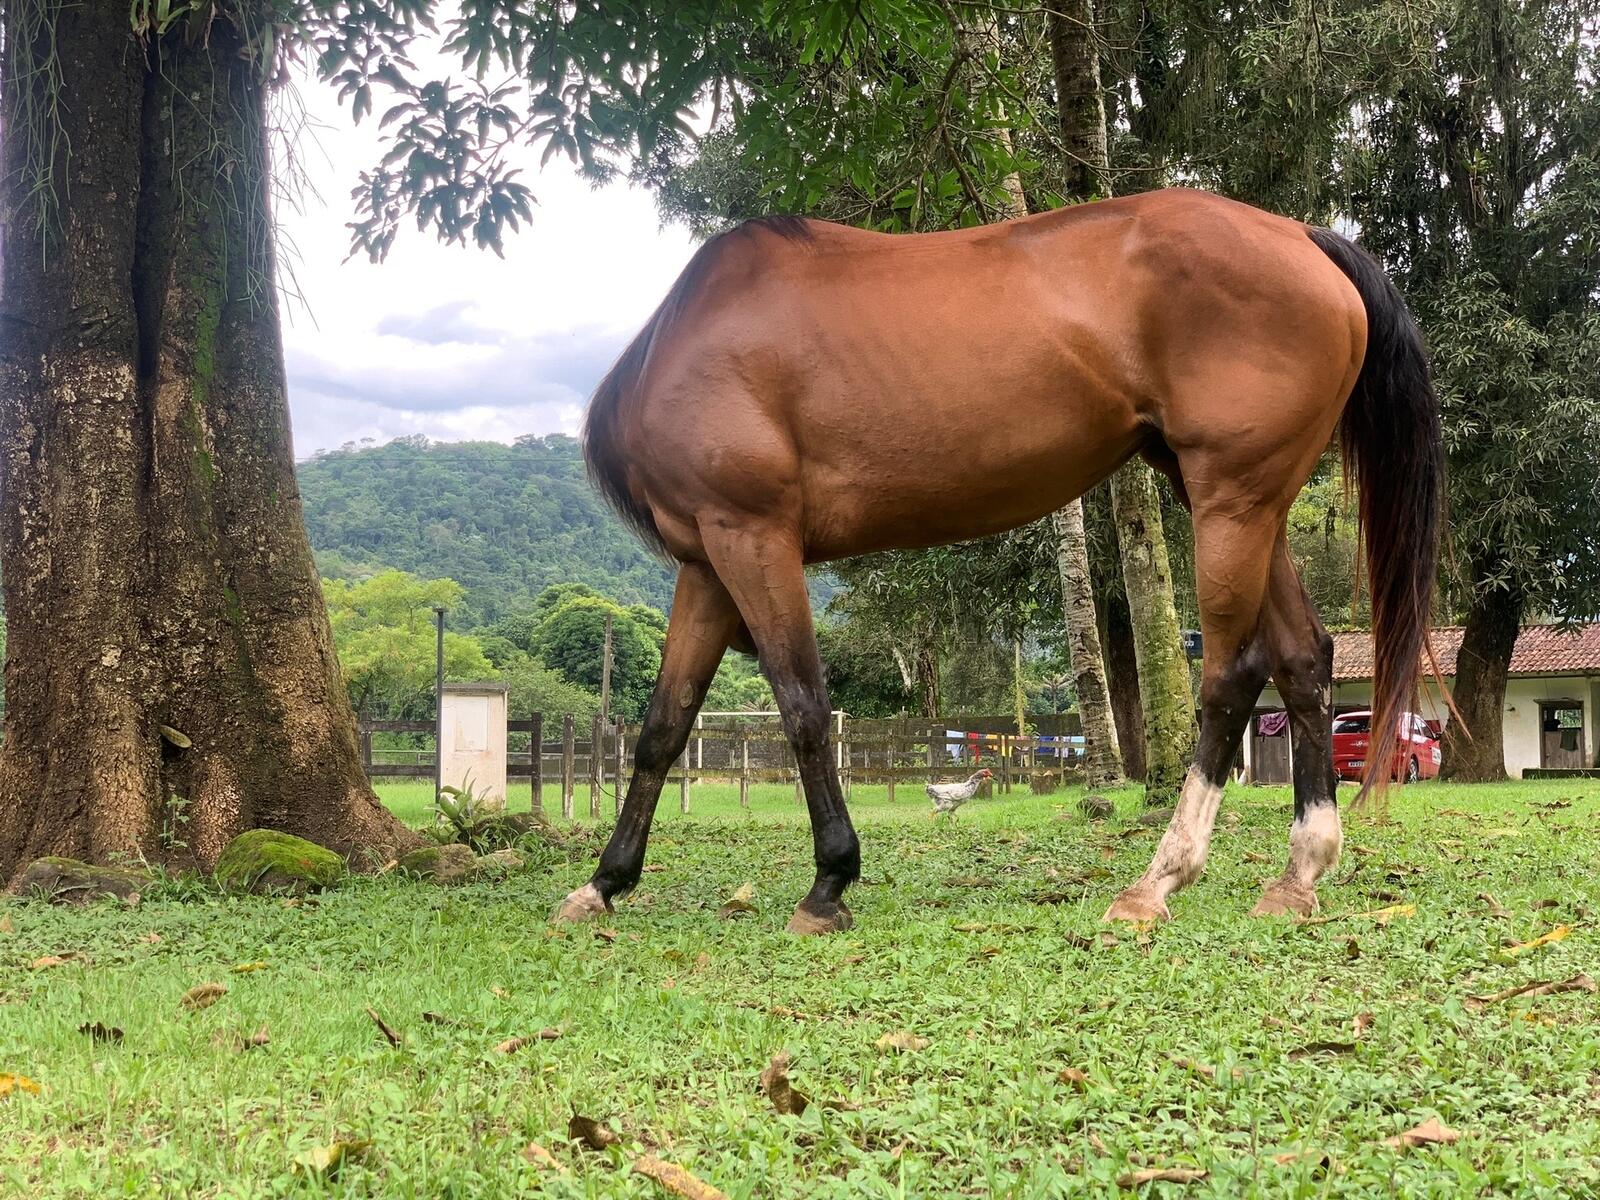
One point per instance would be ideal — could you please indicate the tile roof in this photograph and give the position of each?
(1540, 650)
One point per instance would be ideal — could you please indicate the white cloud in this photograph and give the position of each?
(449, 341)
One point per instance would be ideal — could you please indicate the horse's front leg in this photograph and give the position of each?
(762, 567)
(703, 623)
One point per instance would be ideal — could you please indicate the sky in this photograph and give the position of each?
(450, 341)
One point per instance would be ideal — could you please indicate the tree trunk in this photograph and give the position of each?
(1080, 100)
(1122, 675)
(1163, 672)
(1102, 763)
(170, 676)
(1493, 623)
(927, 663)
(1168, 704)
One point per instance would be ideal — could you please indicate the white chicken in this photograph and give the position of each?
(947, 797)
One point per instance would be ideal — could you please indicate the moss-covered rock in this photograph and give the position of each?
(443, 865)
(68, 881)
(265, 860)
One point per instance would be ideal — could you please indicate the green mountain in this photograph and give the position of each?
(503, 521)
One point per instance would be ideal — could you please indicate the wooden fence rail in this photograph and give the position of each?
(755, 751)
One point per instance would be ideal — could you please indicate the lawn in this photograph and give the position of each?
(1275, 1056)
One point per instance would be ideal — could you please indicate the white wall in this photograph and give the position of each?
(1520, 718)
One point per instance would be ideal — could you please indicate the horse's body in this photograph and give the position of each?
(808, 392)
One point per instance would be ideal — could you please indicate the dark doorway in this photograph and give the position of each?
(1561, 733)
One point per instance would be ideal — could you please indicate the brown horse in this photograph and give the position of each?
(808, 391)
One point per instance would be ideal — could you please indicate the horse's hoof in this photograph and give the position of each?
(1284, 899)
(809, 924)
(1138, 905)
(579, 906)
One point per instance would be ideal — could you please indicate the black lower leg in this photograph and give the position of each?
(836, 848)
(661, 740)
(1225, 707)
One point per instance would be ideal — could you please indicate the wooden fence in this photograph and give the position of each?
(748, 750)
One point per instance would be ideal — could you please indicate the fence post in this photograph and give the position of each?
(597, 764)
(683, 781)
(537, 734)
(616, 795)
(566, 766)
(889, 758)
(744, 767)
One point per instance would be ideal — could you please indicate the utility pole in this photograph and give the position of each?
(438, 704)
(605, 675)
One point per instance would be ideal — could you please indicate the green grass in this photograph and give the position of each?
(665, 1029)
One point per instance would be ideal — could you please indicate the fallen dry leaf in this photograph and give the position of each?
(675, 1179)
(1311, 1048)
(151, 939)
(1319, 1158)
(1559, 933)
(389, 1035)
(596, 1135)
(969, 881)
(540, 1157)
(548, 1034)
(240, 1042)
(1578, 983)
(433, 1018)
(741, 903)
(247, 967)
(1361, 1022)
(605, 934)
(1429, 1133)
(202, 995)
(325, 1161)
(785, 1097)
(47, 961)
(1352, 948)
(16, 1083)
(511, 1045)
(97, 1032)
(1133, 1179)
(1075, 1078)
(5, 924)
(1496, 909)
(1363, 851)
(1254, 856)
(1381, 915)
(1541, 905)
(902, 1040)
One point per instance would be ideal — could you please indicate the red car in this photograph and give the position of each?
(1416, 751)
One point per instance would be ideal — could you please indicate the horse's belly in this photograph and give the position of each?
(924, 478)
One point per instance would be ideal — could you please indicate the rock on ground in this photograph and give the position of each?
(443, 865)
(265, 860)
(68, 881)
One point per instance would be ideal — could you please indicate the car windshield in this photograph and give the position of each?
(1360, 724)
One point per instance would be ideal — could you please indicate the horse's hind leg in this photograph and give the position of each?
(1233, 543)
(704, 622)
(1302, 664)
(763, 570)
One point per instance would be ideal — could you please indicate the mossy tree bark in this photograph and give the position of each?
(170, 676)
(1167, 703)
(1102, 761)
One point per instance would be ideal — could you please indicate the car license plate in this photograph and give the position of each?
(1356, 764)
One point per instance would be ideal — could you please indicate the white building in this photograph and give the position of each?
(1550, 713)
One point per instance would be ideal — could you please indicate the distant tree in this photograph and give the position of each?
(535, 688)
(863, 677)
(383, 630)
(571, 639)
(739, 686)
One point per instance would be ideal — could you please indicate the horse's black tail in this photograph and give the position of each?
(602, 449)
(1393, 446)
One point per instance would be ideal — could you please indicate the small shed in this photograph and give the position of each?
(472, 742)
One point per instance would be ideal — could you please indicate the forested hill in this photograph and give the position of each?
(503, 521)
